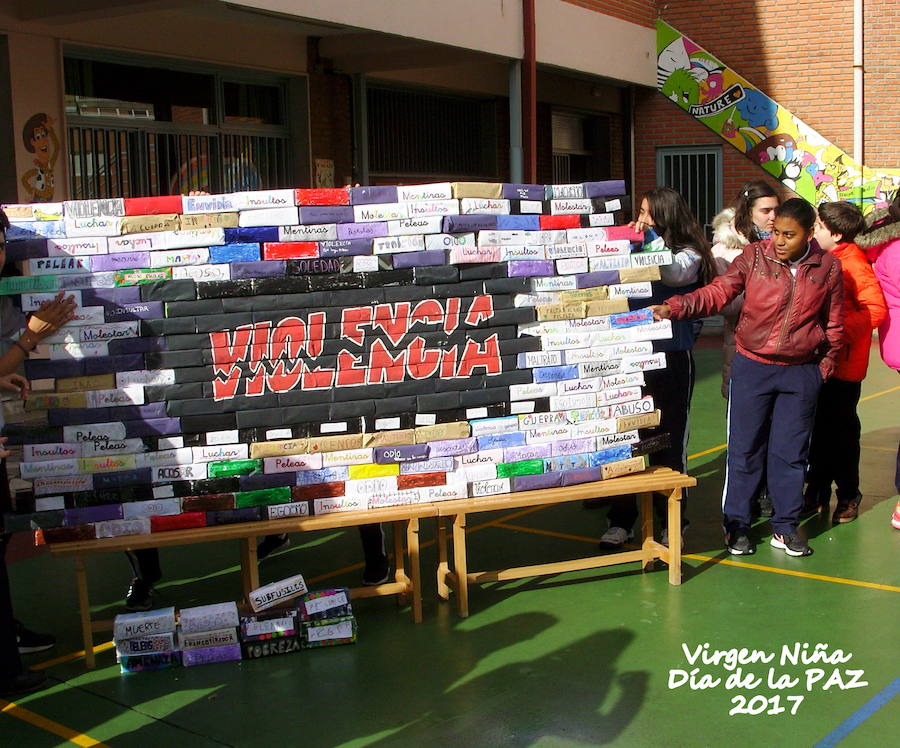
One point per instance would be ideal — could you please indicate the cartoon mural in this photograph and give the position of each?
(772, 137)
(40, 139)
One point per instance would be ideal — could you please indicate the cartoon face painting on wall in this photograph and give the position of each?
(40, 139)
(767, 133)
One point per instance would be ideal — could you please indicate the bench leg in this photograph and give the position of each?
(443, 589)
(399, 529)
(249, 565)
(645, 501)
(459, 564)
(84, 609)
(415, 572)
(674, 511)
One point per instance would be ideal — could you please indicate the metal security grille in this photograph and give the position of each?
(697, 174)
(130, 162)
(417, 133)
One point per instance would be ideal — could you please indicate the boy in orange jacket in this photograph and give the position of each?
(834, 449)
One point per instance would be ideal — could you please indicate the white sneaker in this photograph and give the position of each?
(615, 537)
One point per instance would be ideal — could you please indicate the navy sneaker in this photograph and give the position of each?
(738, 543)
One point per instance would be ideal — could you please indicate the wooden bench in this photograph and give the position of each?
(655, 480)
(406, 585)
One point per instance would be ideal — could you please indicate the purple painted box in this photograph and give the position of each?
(51, 369)
(608, 188)
(572, 447)
(519, 223)
(139, 310)
(468, 223)
(536, 482)
(523, 192)
(345, 247)
(258, 269)
(630, 319)
(370, 195)
(362, 230)
(313, 214)
(453, 447)
(599, 278)
(87, 514)
(529, 268)
(209, 655)
(153, 427)
(528, 452)
(428, 258)
(585, 475)
(514, 439)
(111, 296)
(403, 453)
(120, 261)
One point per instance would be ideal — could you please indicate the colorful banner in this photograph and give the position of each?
(767, 133)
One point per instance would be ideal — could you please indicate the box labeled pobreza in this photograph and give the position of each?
(270, 595)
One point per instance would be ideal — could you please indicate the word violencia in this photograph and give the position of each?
(273, 351)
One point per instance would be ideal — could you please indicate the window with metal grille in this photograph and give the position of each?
(133, 130)
(696, 172)
(581, 147)
(420, 134)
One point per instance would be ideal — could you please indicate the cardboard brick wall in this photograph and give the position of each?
(292, 352)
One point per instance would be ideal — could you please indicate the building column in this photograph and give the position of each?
(360, 129)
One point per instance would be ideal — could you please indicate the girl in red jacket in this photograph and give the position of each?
(834, 450)
(788, 337)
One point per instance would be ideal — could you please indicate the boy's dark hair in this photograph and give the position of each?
(743, 206)
(842, 218)
(799, 210)
(4, 221)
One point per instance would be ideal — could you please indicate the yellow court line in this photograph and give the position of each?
(792, 573)
(549, 533)
(26, 715)
(879, 394)
(725, 561)
(709, 451)
(71, 656)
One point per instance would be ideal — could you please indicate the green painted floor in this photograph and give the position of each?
(572, 660)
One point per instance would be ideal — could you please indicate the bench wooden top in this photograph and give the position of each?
(654, 479)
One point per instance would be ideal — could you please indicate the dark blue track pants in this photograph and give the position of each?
(771, 410)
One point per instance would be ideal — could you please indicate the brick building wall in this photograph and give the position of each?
(641, 12)
(331, 122)
(882, 83)
(800, 53)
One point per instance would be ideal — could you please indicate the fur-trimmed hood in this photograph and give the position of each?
(884, 231)
(725, 233)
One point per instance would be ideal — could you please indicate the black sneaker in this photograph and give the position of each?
(271, 544)
(738, 543)
(31, 641)
(792, 544)
(17, 685)
(377, 571)
(138, 597)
